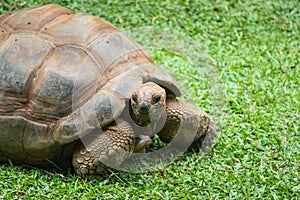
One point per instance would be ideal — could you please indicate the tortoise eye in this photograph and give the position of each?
(156, 99)
(134, 99)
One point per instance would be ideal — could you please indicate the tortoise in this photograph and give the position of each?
(69, 81)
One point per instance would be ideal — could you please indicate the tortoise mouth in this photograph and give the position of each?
(154, 113)
(140, 111)
(143, 112)
(143, 115)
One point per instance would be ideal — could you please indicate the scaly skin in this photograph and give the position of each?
(193, 125)
(112, 147)
(192, 120)
(185, 124)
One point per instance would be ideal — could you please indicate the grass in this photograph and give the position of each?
(240, 61)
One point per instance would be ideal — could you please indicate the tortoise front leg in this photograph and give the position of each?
(190, 119)
(112, 147)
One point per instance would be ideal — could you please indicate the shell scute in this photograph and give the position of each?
(11, 136)
(20, 55)
(34, 18)
(80, 29)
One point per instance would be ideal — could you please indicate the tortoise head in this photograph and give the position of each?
(148, 103)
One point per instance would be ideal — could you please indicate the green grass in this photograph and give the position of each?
(240, 61)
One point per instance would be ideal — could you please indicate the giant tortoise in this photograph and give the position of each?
(75, 91)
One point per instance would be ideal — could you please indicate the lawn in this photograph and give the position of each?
(238, 61)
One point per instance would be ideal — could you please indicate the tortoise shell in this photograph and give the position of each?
(62, 75)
